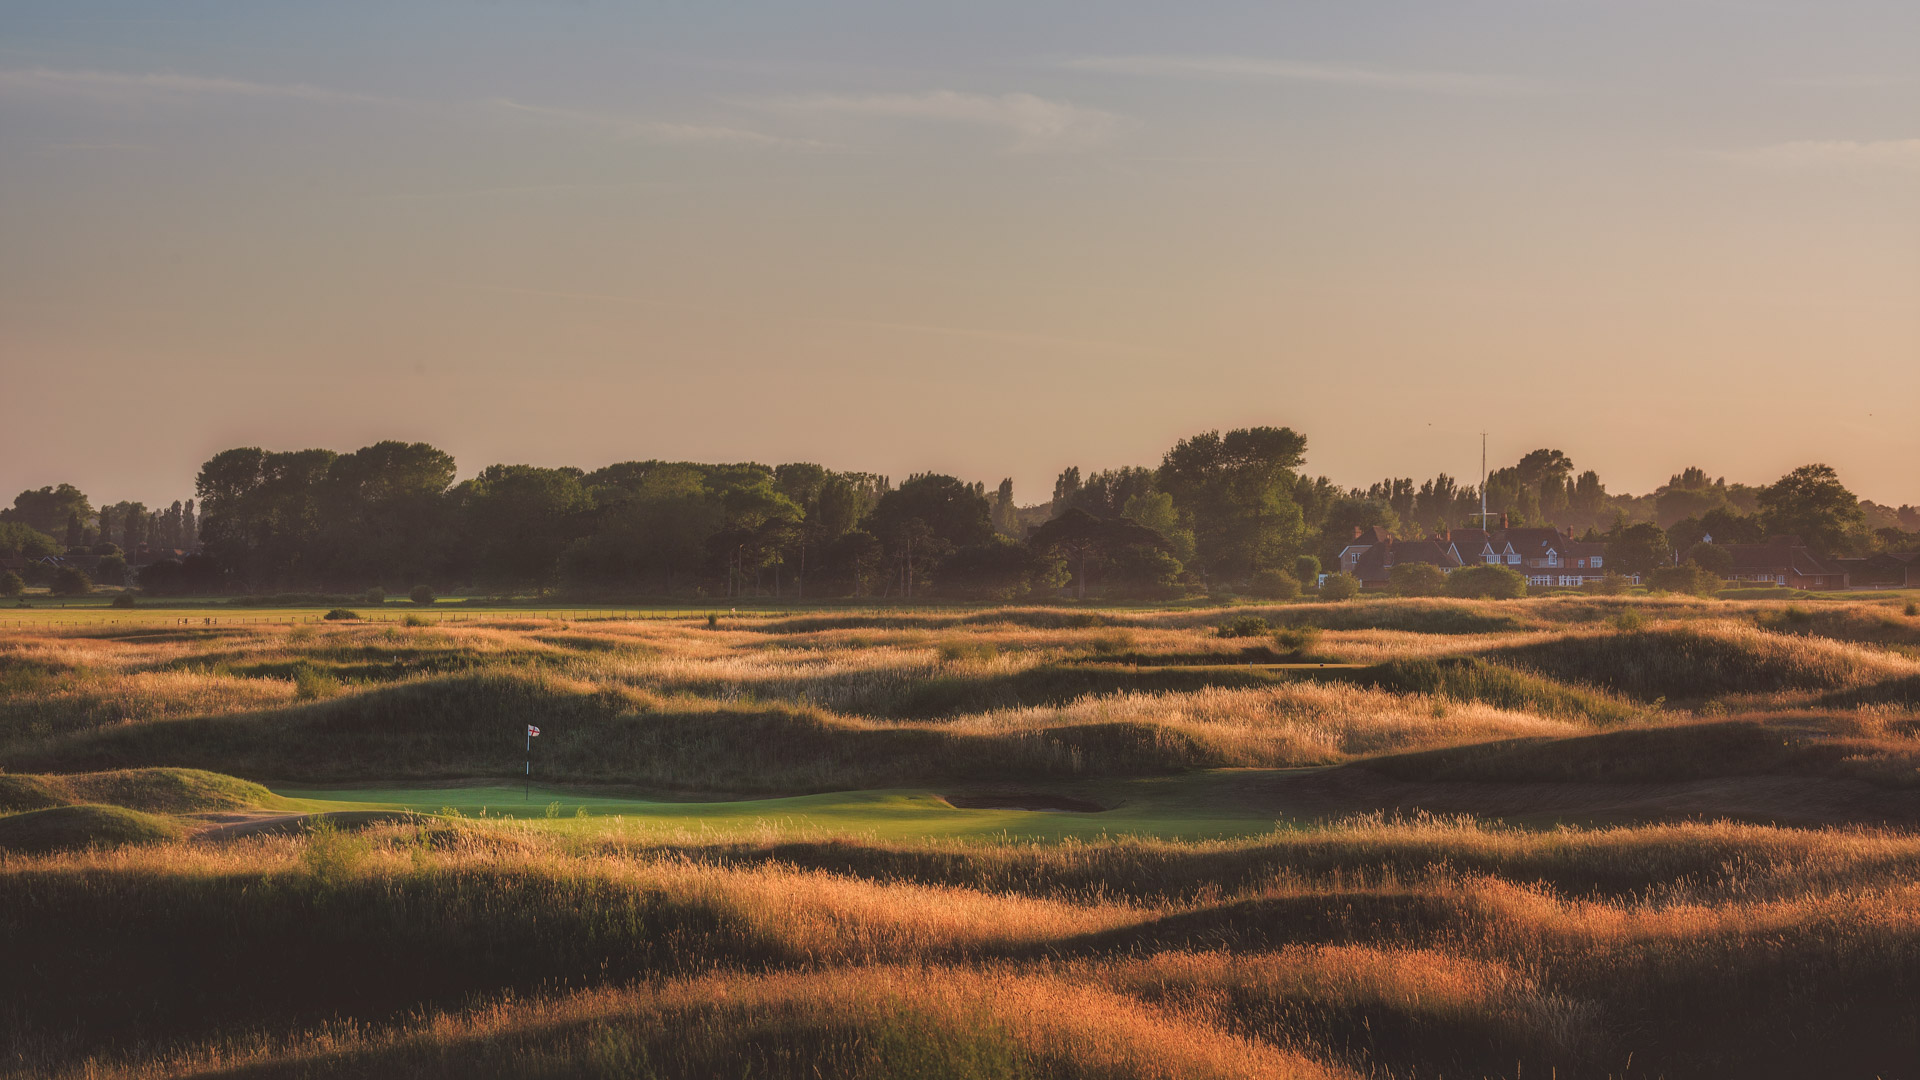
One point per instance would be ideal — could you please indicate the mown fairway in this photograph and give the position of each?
(1574, 836)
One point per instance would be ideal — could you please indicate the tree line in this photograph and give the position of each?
(1220, 511)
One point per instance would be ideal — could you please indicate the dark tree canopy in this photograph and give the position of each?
(1810, 502)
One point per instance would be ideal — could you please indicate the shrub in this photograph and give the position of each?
(1243, 626)
(375, 595)
(1417, 579)
(1629, 621)
(417, 620)
(124, 600)
(331, 856)
(1296, 640)
(1611, 585)
(1273, 585)
(69, 581)
(974, 649)
(111, 570)
(420, 594)
(1690, 578)
(1340, 587)
(1913, 609)
(11, 585)
(1306, 569)
(1713, 557)
(1496, 582)
(340, 613)
(311, 683)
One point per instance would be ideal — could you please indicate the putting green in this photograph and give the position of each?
(1184, 808)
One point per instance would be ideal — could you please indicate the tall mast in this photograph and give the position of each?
(1483, 480)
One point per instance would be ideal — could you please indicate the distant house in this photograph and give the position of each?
(1910, 563)
(1374, 566)
(1547, 557)
(1785, 561)
(1364, 540)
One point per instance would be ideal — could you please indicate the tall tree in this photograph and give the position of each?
(517, 519)
(1236, 493)
(1065, 488)
(1810, 502)
(48, 509)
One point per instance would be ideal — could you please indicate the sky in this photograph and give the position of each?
(989, 239)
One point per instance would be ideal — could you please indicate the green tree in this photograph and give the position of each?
(1689, 577)
(1340, 587)
(1154, 509)
(1236, 493)
(928, 518)
(1810, 502)
(1417, 579)
(518, 519)
(1637, 549)
(1306, 569)
(19, 540)
(47, 509)
(111, 571)
(11, 585)
(1495, 582)
(1273, 585)
(69, 581)
(1713, 558)
(1081, 538)
(385, 514)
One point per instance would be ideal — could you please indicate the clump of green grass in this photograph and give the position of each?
(1296, 642)
(1473, 679)
(340, 615)
(1243, 626)
(968, 650)
(312, 683)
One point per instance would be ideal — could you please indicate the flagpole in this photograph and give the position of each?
(526, 789)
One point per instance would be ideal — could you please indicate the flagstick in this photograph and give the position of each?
(526, 790)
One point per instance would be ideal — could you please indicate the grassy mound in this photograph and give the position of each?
(1655, 754)
(1472, 679)
(29, 793)
(168, 791)
(1693, 662)
(63, 828)
(165, 791)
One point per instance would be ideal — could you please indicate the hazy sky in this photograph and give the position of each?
(985, 238)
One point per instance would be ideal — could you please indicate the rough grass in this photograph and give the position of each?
(1418, 948)
(1705, 660)
(1373, 947)
(1849, 746)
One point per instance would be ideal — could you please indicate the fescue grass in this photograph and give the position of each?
(383, 943)
(1425, 948)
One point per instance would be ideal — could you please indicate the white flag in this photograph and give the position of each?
(532, 731)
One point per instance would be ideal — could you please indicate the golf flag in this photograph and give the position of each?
(532, 731)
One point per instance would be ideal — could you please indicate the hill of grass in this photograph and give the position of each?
(1371, 948)
(1703, 660)
(61, 828)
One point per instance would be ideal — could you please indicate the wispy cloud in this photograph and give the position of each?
(614, 125)
(1035, 123)
(123, 86)
(1831, 154)
(173, 87)
(1256, 69)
